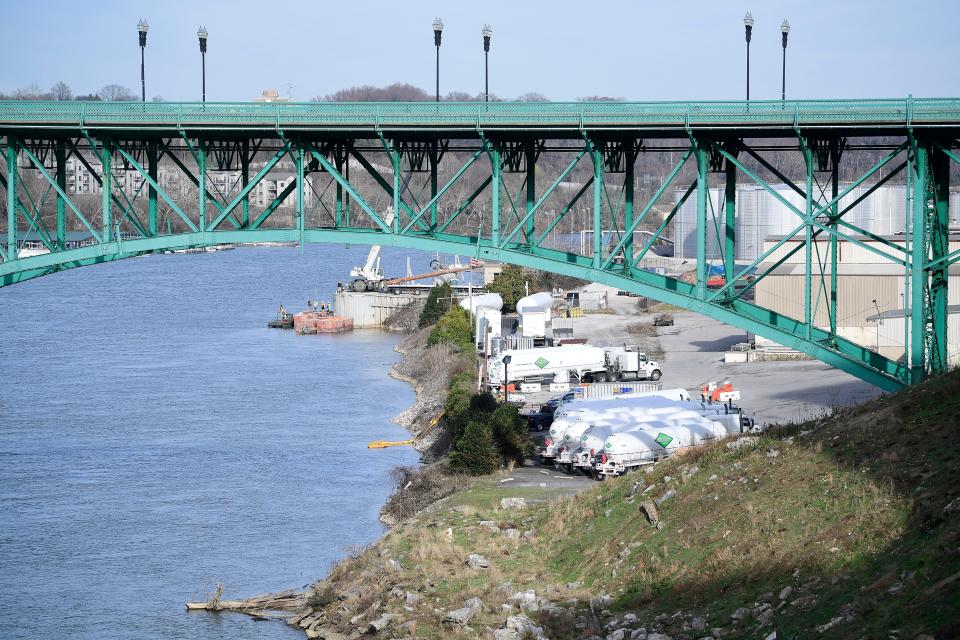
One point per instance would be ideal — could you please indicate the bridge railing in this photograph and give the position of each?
(478, 115)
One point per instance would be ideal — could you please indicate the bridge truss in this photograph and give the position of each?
(501, 181)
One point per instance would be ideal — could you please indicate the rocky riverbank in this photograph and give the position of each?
(840, 527)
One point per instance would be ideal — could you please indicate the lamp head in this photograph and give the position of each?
(487, 32)
(142, 27)
(202, 35)
(748, 25)
(437, 31)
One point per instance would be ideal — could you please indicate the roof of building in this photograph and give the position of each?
(954, 236)
(901, 313)
(850, 269)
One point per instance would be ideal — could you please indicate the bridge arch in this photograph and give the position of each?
(860, 361)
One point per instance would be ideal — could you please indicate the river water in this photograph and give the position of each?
(155, 437)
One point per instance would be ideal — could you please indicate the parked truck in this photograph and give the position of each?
(627, 363)
(587, 363)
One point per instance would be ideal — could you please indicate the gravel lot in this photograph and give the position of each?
(772, 392)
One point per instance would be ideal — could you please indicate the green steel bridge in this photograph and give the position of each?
(469, 159)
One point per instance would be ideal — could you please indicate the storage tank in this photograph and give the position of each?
(489, 300)
(759, 215)
(486, 318)
(536, 302)
(636, 444)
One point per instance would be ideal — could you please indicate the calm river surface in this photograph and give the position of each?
(156, 436)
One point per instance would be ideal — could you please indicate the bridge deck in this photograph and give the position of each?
(470, 118)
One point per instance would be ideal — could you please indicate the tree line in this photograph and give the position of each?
(396, 92)
(61, 91)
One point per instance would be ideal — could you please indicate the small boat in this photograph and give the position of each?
(284, 321)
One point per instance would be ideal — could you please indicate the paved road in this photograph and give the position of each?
(532, 476)
(772, 392)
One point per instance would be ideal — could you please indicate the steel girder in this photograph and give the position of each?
(518, 233)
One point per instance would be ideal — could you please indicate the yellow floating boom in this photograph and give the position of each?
(383, 444)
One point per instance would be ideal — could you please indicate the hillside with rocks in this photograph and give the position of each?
(842, 527)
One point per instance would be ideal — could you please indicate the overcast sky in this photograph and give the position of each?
(635, 49)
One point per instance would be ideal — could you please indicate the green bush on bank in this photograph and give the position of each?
(485, 435)
(439, 300)
(453, 328)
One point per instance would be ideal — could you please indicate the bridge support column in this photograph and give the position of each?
(299, 190)
(939, 247)
(338, 201)
(244, 181)
(730, 221)
(835, 152)
(60, 152)
(630, 159)
(433, 185)
(918, 259)
(808, 241)
(12, 200)
(151, 190)
(703, 192)
(495, 186)
(596, 153)
(395, 164)
(202, 180)
(346, 175)
(529, 232)
(106, 184)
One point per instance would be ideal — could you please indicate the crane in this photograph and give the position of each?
(369, 276)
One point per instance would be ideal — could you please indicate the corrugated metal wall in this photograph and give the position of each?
(855, 296)
(369, 309)
(889, 336)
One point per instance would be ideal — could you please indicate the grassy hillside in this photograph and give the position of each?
(844, 527)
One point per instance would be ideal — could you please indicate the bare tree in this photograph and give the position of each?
(61, 91)
(533, 96)
(158, 99)
(116, 93)
(599, 99)
(396, 92)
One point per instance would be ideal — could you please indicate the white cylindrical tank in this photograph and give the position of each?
(651, 399)
(595, 437)
(485, 317)
(535, 302)
(492, 300)
(654, 440)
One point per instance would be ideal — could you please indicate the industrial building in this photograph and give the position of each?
(870, 290)
(759, 215)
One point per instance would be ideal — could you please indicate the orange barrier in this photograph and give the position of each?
(311, 320)
(334, 324)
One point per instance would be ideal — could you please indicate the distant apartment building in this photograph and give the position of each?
(221, 184)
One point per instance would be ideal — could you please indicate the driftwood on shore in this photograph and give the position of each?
(260, 605)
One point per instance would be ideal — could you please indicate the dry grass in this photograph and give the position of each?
(418, 488)
(826, 513)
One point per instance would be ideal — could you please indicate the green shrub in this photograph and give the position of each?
(439, 300)
(510, 434)
(475, 452)
(453, 328)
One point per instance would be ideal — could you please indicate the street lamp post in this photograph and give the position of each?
(487, 32)
(784, 29)
(437, 33)
(142, 27)
(202, 34)
(506, 379)
(748, 26)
